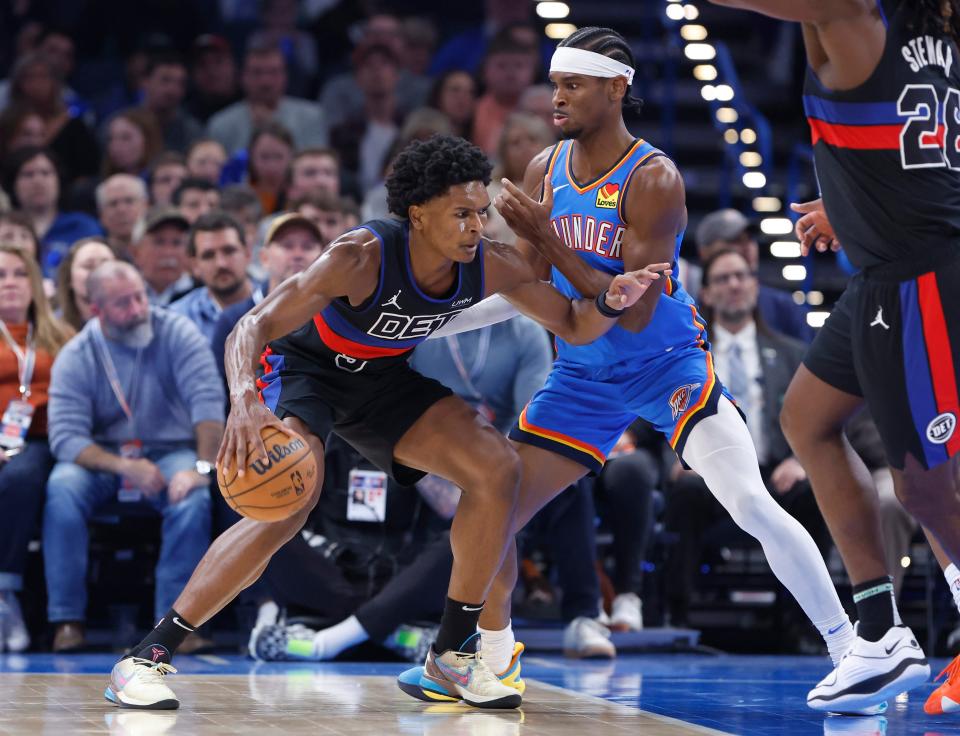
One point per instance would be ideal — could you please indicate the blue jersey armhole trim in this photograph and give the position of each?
(551, 160)
(413, 281)
(621, 213)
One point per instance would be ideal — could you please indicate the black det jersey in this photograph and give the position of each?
(398, 316)
(888, 152)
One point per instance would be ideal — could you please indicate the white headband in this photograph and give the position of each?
(581, 61)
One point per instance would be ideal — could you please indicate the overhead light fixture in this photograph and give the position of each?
(698, 51)
(553, 10)
(754, 180)
(727, 115)
(748, 136)
(767, 204)
(785, 249)
(692, 32)
(750, 159)
(559, 30)
(795, 272)
(776, 226)
(705, 72)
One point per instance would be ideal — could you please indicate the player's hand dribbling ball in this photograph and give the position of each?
(274, 488)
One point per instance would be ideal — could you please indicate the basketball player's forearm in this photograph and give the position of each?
(208, 436)
(586, 323)
(242, 351)
(95, 458)
(585, 279)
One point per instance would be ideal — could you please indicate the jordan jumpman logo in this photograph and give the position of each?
(878, 320)
(393, 301)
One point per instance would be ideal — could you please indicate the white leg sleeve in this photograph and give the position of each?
(721, 451)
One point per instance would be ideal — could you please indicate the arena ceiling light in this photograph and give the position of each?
(754, 180)
(730, 136)
(553, 10)
(705, 72)
(815, 298)
(559, 30)
(748, 136)
(776, 226)
(785, 249)
(674, 12)
(693, 32)
(795, 272)
(690, 12)
(816, 319)
(750, 159)
(699, 51)
(767, 204)
(724, 92)
(727, 115)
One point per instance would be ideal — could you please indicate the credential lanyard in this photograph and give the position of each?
(479, 361)
(25, 360)
(111, 370)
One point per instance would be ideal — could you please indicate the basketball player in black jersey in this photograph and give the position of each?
(883, 100)
(337, 340)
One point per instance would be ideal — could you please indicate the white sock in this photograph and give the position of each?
(497, 647)
(328, 643)
(838, 635)
(952, 574)
(721, 450)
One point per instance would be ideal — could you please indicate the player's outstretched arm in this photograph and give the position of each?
(577, 321)
(806, 11)
(349, 267)
(657, 197)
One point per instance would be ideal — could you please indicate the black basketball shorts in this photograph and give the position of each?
(370, 404)
(894, 338)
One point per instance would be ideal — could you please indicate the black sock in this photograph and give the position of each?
(458, 627)
(160, 644)
(876, 607)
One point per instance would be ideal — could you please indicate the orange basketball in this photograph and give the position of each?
(275, 488)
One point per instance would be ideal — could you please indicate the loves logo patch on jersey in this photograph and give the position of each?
(608, 195)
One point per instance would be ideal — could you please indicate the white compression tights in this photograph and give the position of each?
(721, 451)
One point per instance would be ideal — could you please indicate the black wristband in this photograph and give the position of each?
(602, 307)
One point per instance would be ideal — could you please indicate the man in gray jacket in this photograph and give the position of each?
(135, 414)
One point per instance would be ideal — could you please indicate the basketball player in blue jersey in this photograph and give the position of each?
(338, 337)
(882, 97)
(609, 202)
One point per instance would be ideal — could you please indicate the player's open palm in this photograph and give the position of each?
(241, 436)
(626, 289)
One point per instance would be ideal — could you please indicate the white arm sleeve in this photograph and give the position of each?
(490, 311)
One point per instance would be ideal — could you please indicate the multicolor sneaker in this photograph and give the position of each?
(281, 643)
(946, 698)
(138, 683)
(456, 676)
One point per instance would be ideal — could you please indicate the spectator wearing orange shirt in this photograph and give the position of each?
(31, 337)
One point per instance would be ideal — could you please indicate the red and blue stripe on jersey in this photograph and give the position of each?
(864, 126)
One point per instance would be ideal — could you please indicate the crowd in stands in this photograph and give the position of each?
(141, 215)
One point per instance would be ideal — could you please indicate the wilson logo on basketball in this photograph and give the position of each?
(680, 399)
(276, 454)
(940, 430)
(608, 195)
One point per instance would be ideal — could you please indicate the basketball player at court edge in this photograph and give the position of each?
(610, 202)
(338, 337)
(882, 97)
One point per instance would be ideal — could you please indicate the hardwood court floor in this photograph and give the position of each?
(667, 695)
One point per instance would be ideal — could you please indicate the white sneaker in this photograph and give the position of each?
(627, 613)
(585, 638)
(138, 683)
(872, 672)
(15, 634)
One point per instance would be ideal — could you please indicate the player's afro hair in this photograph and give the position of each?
(427, 169)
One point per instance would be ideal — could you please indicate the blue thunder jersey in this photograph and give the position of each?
(590, 219)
